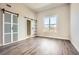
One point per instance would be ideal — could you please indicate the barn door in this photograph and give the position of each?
(10, 28)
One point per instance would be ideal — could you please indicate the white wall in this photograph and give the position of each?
(63, 23)
(22, 11)
(75, 25)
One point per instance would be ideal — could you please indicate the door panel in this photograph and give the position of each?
(7, 18)
(10, 28)
(15, 37)
(15, 19)
(7, 28)
(15, 28)
(7, 38)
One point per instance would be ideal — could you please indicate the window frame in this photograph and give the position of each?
(49, 24)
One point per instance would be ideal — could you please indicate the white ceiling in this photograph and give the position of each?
(37, 7)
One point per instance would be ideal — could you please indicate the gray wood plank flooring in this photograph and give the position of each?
(39, 46)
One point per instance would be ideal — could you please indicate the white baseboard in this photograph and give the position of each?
(75, 45)
(54, 37)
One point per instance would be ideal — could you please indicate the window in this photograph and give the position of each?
(50, 22)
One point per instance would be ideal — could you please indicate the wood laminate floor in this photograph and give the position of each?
(39, 46)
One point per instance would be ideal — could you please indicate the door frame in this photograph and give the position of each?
(30, 27)
(11, 28)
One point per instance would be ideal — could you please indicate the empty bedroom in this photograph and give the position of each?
(39, 29)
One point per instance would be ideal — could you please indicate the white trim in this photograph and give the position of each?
(3, 29)
(15, 32)
(7, 33)
(15, 23)
(75, 45)
(7, 23)
(53, 37)
(11, 28)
